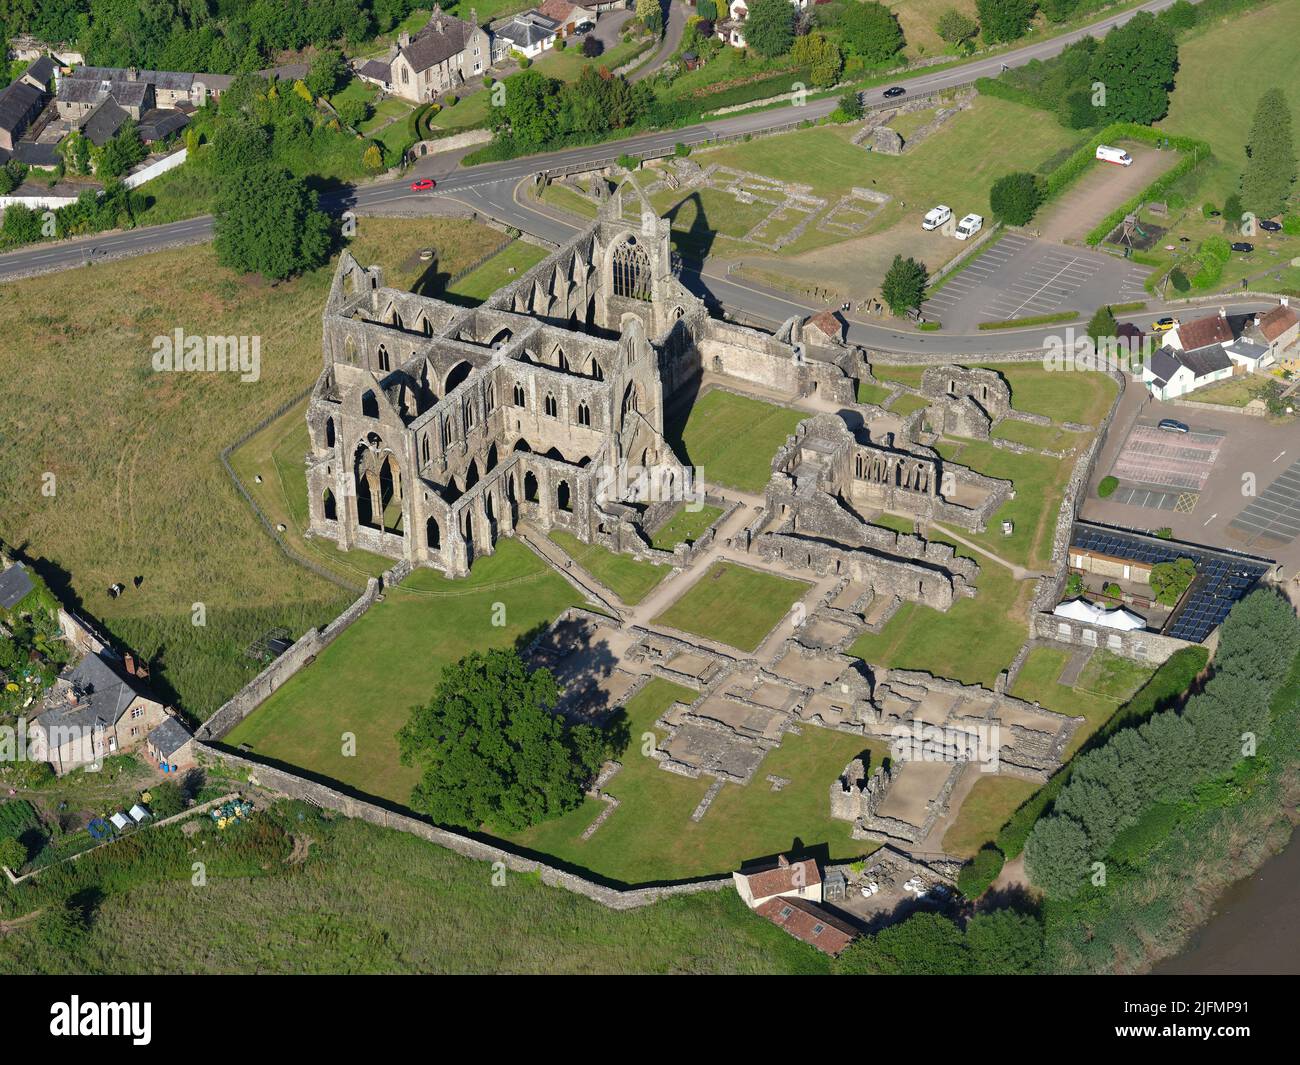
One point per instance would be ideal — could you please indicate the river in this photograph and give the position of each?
(1255, 929)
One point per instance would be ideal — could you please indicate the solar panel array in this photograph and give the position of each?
(1219, 583)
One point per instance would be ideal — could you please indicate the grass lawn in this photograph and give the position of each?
(897, 522)
(568, 199)
(972, 641)
(514, 259)
(1043, 437)
(1106, 683)
(991, 801)
(1234, 392)
(368, 679)
(276, 455)
(685, 526)
(143, 492)
(1039, 483)
(651, 835)
(869, 393)
(906, 403)
(364, 901)
(734, 605)
(731, 439)
(471, 110)
(1063, 397)
(627, 577)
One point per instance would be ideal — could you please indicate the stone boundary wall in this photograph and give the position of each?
(296, 787)
(1250, 410)
(449, 144)
(154, 169)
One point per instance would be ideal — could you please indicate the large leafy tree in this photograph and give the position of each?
(1136, 63)
(904, 285)
(769, 27)
(1004, 20)
(1270, 151)
(492, 751)
(267, 222)
(1015, 197)
(821, 56)
(870, 30)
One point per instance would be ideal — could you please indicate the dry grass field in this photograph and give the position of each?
(111, 471)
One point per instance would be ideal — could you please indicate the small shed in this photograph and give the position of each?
(120, 821)
(139, 814)
(835, 886)
(171, 746)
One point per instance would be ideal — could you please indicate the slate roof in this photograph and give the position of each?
(1246, 348)
(159, 123)
(102, 695)
(810, 923)
(169, 737)
(441, 39)
(17, 102)
(15, 583)
(1207, 360)
(103, 122)
(528, 29)
(34, 154)
(1164, 364)
(78, 89)
(373, 68)
(41, 69)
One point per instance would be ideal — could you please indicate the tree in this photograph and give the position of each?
(1057, 854)
(328, 73)
(954, 27)
(1058, 10)
(491, 750)
(849, 108)
(1270, 157)
(769, 27)
(62, 926)
(166, 799)
(707, 9)
(904, 285)
(13, 855)
(267, 222)
(1179, 280)
(1135, 64)
(592, 46)
(122, 152)
(926, 944)
(1004, 20)
(1102, 326)
(651, 14)
(1170, 579)
(871, 31)
(821, 56)
(977, 874)
(1005, 943)
(1016, 197)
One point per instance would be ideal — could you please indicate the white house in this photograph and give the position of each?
(785, 879)
(731, 29)
(1194, 355)
(530, 33)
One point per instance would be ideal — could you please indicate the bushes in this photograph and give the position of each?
(1000, 942)
(1174, 753)
(977, 874)
(1015, 197)
(1106, 487)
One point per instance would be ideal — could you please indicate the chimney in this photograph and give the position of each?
(129, 661)
(473, 17)
(782, 861)
(403, 39)
(132, 74)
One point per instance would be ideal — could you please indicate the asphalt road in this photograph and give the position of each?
(491, 189)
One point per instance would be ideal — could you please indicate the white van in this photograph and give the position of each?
(1119, 156)
(935, 217)
(969, 226)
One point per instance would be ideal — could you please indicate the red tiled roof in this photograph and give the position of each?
(785, 876)
(827, 322)
(1203, 332)
(1277, 321)
(809, 923)
(559, 10)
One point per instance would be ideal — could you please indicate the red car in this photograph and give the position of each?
(424, 184)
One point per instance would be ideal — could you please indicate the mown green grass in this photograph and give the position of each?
(1063, 397)
(734, 604)
(869, 393)
(516, 258)
(366, 682)
(628, 578)
(731, 439)
(651, 835)
(685, 526)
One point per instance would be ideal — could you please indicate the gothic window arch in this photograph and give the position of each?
(584, 414)
(520, 399)
(369, 404)
(552, 408)
(424, 448)
(631, 270)
(384, 362)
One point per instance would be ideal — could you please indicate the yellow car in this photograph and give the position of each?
(1163, 325)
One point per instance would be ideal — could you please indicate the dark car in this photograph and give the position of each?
(1269, 226)
(584, 27)
(892, 91)
(1169, 425)
(1243, 246)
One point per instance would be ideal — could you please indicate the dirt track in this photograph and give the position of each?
(1101, 190)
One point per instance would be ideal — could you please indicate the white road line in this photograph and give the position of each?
(1045, 284)
(1279, 455)
(1209, 519)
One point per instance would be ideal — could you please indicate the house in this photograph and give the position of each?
(104, 121)
(824, 329)
(810, 923)
(159, 124)
(1171, 373)
(39, 73)
(171, 746)
(439, 58)
(20, 103)
(80, 94)
(732, 28)
(1277, 330)
(96, 707)
(784, 879)
(1201, 333)
(529, 34)
(15, 585)
(568, 15)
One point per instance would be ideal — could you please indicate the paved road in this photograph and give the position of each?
(491, 188)
(673, 31)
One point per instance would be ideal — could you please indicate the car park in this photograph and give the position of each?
(1170, 425)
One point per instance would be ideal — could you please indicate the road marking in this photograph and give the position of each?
(1279, 455)
(1209, 519)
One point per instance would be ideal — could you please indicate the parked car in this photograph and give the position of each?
(584, 27)
(1163, 325)
(1269, 226)
(1169, 425)
(935, 217)
(892, 91)
(1118, 156)
(1243, 246)
(969, 226)
(423, 184)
